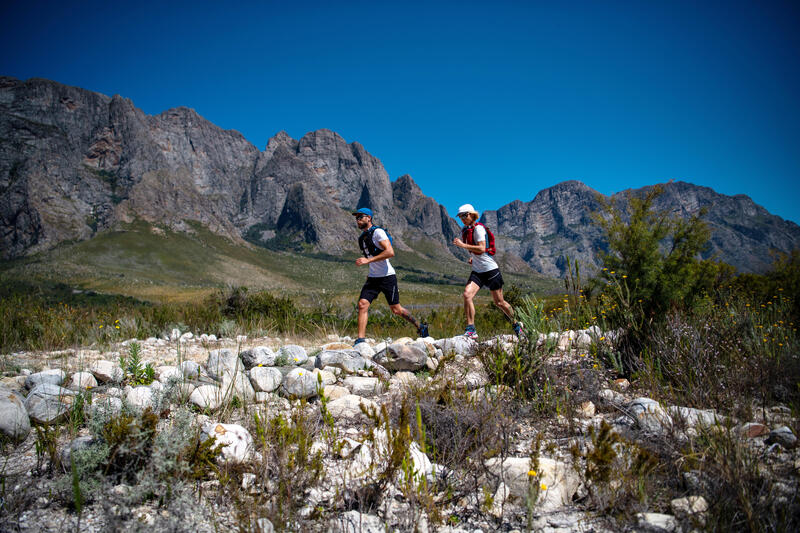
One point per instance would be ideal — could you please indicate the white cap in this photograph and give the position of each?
(467, 208)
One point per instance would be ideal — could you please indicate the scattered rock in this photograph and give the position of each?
(106, 371)
(78, 443)
(349, 360)
(557, 481)
(237, 442)
(692, 507)
(648, 415)
(334, 392)
(190, 369)
(364, 349)
(14, 422)
(587, 409)
(222, 362)
(82, 381)
(657, 522)
(300, 383)
(460, 345)
(106, 406)
(140, 397)
(349, 407)
(258, 356)
(355, 522)
(752, 430)
(402, 357)
(51, 376)
(207, 397)
(363, 386)
(783, 436)
(265, 379)
(296, 355)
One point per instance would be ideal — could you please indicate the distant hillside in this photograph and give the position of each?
(75, 165)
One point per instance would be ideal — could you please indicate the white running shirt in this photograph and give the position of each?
(483, 262)
(380, 269)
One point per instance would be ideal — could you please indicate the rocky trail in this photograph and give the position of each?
(543, 477)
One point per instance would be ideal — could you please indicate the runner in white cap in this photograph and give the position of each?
(479, 241)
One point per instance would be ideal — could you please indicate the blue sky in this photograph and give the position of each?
(481, 102)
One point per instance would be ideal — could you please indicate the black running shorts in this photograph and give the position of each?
(386, 284)
(492, 279)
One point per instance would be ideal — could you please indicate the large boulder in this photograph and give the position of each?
(397, 357)
(300, 383)
(221, 362)
(258, 356)
(140, 397)
(53, 376)
(265, 379)
(207, 397)
(82, 381)
(459, 345)
(45, 409)
(295, 354)
(14, 422)
(555, 482)
(347, 360)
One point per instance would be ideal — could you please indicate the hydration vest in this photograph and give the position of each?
(368, 247)
(466, 236)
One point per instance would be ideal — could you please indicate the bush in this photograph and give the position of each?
(656, 254)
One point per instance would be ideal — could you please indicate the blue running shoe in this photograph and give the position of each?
(422, 330)
(359, 341)
(518, 330)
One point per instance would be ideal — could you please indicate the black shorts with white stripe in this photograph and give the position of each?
(386, 285)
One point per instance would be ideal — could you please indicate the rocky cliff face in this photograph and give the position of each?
(74, 162)
(557, 224)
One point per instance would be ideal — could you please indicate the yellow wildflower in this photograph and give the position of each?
(543, 486)
(532, 473)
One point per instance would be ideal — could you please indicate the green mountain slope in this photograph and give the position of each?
(154, 263)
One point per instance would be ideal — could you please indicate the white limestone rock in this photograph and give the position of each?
(14, 422)
(237, 442)
(265, 379)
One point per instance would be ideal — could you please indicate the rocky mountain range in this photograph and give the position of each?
(74, 163)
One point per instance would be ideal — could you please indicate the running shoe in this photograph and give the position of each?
(518, 330)
(471, 334)
(422, 330)
(359, 341)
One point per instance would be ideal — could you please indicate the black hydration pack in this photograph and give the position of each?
(368, 247)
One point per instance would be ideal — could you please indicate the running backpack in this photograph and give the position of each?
(369, 248)
(466, 236)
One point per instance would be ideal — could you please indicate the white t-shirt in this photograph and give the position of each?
(383, 268)
(483, 262)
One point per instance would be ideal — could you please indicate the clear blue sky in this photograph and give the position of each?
(482, 102)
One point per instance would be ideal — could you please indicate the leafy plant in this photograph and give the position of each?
(134, 372)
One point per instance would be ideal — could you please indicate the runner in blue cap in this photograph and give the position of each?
(376, 245)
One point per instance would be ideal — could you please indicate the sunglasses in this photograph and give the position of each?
(360, 216)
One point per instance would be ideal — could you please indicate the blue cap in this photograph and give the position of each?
(363, 211)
